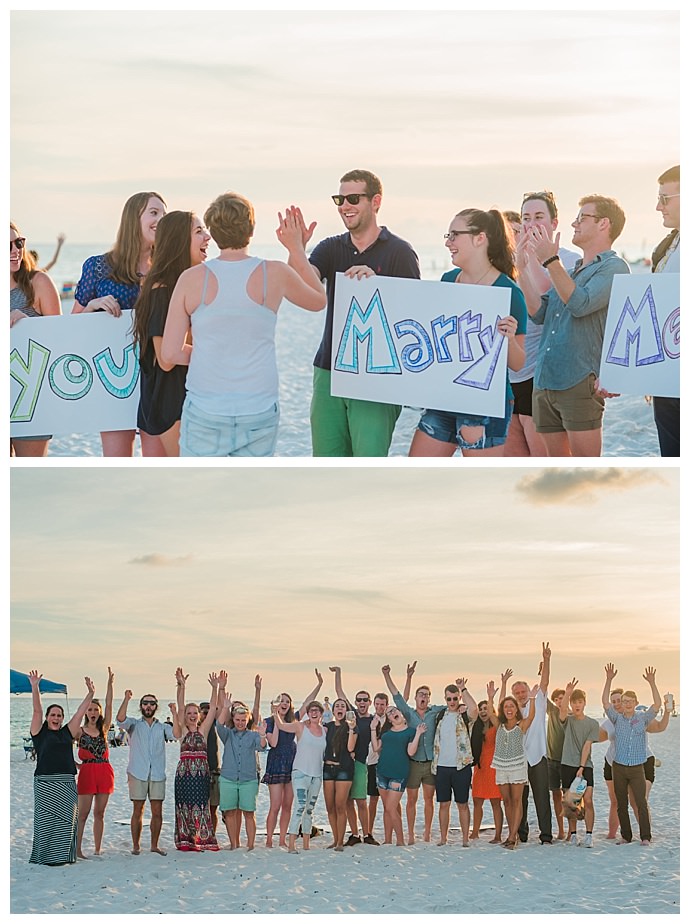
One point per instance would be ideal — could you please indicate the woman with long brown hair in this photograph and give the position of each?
(181, 242)
(32, 295)
(96, 780)
(481, 248)
(111, 282)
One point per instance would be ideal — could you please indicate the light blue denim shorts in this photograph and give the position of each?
(204, 434)
(445, 427)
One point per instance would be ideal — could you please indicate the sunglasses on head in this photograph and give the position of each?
(18, 242)
(352, 198)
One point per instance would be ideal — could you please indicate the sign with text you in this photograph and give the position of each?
(73, 374)
(421, 344)
(641, 352)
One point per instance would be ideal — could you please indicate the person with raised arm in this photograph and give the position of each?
(510, 759)
(395, 746)
(576, 760)
(307, 769)
(193, 823)
(96, 780)
(146, 766)
(420, 766)
(483, 740)
(631, 752)
(229, 306)
(279, 761)
(339, 768)
(453, 758)
(55, 789)
(239, 782)
(358, 790)
(535, 748)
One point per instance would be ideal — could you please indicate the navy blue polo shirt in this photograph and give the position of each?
(389, 255)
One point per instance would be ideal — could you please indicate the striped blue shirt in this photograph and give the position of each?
(631, 735)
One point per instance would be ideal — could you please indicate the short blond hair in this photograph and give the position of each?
(230, 221)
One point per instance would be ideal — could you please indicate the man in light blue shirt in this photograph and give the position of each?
(631, 752)
(568, 405)
(146, 766)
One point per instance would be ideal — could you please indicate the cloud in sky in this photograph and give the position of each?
(582, 485)
(156, 560)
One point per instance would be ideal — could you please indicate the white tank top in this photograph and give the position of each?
(232, 370)
(309, 753)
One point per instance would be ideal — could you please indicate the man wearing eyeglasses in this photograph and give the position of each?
(666, 259)
(146, 766)
(538, 210)
(348, 426)
(567, 404)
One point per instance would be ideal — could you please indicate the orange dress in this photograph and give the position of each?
(484, 776)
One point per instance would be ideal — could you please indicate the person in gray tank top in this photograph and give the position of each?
(229, 307)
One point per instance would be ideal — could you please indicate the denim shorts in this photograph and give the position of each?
(445, 427)
(203, 434)
(390, 782)
(335, 773)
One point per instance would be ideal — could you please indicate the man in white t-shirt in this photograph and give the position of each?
(535, 750)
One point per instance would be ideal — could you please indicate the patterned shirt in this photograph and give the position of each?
(96, 282)
(631, 735)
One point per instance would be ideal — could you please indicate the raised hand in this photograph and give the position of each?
(222, 679)
(506, 675)
(318, 676)
(213, 680)
(650, 675)
(610, 671)
(128, 695)
(181, 677)
(35, 678)
(410, 668)
(336, 670)
(461, 682)
(90, 685)
(545, 651)
(173, 708)
(261, 728)
(569, 687)
(533, 692)
(257, 682)
(386, 669)
(490, 690)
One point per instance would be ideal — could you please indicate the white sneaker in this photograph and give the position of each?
(573, 840)
(588, 841)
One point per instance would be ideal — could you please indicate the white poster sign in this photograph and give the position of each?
(76, 373)
(641, 353)
(421, 344)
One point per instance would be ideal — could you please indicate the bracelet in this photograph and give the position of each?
(463, 689)
(550, 260)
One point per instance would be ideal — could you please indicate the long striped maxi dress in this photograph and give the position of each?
(55, 799)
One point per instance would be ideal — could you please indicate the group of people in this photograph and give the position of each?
(205, 330)
(462, 746)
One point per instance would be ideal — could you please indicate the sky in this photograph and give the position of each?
(452, 109)
(279, 570)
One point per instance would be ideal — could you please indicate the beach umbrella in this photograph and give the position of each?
(19, 683)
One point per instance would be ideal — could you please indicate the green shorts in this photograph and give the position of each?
(420, 772)
(573, 409)
(349, 426)
(234, 795)
(358, 790)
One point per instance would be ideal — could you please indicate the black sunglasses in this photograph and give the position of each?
(352, 198)
(149, 702)
(18, 242)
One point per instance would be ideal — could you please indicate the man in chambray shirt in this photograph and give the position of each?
(568, 405)
(146, 766)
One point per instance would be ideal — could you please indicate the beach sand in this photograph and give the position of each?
(421, 879)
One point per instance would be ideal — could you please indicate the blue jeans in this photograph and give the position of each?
(306, 789)
(204, 434)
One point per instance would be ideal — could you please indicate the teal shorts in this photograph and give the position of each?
(234, 795)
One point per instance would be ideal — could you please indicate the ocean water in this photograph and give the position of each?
(628, 427)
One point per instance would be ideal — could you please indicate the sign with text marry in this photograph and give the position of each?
(422, 344)
(641, 354)
(76, 373)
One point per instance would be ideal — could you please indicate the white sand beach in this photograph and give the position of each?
(421, 879)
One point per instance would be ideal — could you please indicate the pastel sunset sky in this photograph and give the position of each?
(452, 108)
(279, 570)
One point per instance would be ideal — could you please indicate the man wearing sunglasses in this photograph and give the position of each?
(567, 404)
(146, 766)
(346, 426)
(666, 259)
